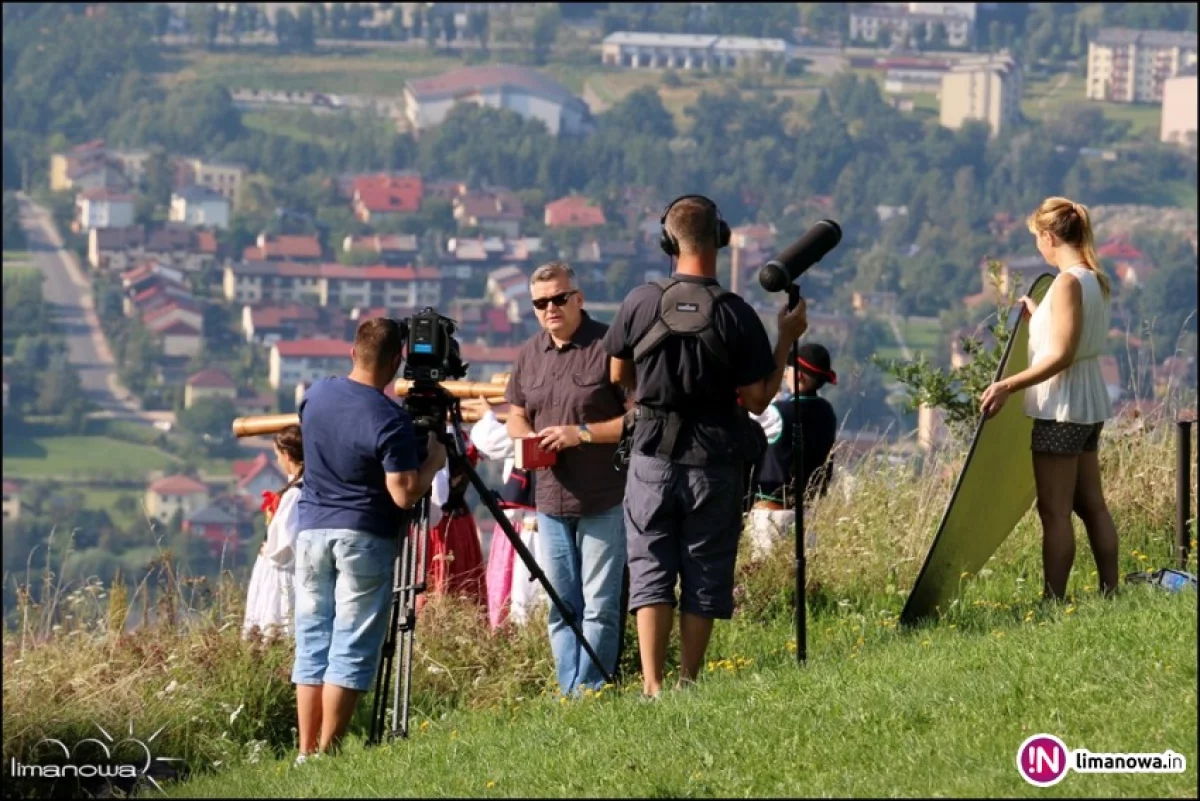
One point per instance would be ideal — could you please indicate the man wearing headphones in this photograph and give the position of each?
(698, 359)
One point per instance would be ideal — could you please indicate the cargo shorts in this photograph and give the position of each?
(682, 525)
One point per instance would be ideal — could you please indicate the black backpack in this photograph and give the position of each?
(685, 309)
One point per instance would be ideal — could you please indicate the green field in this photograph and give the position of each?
(285, 122)
(1042, 97)
(79, 457)
(381, 72)
(921, 334)
(936, 712)
(1182, 193)
(384, 72)
(17, 262)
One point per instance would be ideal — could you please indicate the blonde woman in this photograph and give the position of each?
(1066, 396)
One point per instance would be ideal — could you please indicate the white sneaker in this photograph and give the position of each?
(302, 758)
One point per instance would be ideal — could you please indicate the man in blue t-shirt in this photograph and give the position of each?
(362, 470)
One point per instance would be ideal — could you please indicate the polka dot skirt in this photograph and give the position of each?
(1065, 439)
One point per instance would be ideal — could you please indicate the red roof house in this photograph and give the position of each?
(573, 212)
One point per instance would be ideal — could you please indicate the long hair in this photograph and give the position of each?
(288, 441)
(1072, 225)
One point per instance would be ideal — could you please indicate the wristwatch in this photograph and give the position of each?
(584, 434)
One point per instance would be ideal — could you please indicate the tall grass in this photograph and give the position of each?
(168, 651)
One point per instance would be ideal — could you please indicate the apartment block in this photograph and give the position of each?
(1179, 107)
(986, 88)
(1132, 66)
(912, 23)
(333, 285)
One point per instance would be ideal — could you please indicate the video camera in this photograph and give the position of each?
(431, 351)
(431, 355)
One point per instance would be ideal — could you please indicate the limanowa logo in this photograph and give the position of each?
(1043, 760)
(93, 759)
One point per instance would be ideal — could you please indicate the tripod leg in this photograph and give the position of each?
(415, 547)
(461, 462)
(404, 579)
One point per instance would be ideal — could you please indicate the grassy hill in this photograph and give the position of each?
(932, 714)
(876, 710)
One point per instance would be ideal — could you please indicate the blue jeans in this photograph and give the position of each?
(343, 589)
(584, 561)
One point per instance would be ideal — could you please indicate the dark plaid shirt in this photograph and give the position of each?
(569, 386)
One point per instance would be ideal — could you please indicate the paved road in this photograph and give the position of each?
(69, 290)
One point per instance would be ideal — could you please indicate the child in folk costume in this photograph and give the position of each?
(511, 590)
(774, 488)
(454, 559)
(269, 600)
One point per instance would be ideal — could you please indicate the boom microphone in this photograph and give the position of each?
(806, 251)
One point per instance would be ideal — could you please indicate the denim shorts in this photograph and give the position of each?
(343, 588)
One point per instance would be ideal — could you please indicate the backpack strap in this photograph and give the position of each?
(654, 336)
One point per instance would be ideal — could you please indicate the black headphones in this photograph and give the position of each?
(671, 247)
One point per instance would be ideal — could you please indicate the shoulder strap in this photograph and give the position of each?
(709, 335)
(659, 330)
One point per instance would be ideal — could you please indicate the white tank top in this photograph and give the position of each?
(1078, 393)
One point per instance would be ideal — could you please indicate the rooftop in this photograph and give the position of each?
(487, 354)
(199, 194)
(213, 515)
(336, 271)
(314, 349)
(103, 194)
(284, 247)
(178, 485)
(211, 378)
(696, 41)
(470, 80)
(1145, 38)
(275, 316)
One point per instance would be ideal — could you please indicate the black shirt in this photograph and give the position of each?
(818, 429)
(684, 376)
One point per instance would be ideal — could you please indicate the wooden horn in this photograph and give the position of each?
(259, 425)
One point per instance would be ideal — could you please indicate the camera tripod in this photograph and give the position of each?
(410, 572)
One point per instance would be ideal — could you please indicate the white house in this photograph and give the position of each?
(103, 208)
(175, 493)
(200, 208)
(691, 51)
(307, 360)
(526, 91)
(179, 338)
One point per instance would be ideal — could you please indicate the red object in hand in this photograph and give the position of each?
(270, 504)
(530, 455)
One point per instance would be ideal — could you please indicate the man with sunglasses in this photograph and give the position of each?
(560, 391)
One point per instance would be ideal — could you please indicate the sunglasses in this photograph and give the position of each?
(541, 304)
